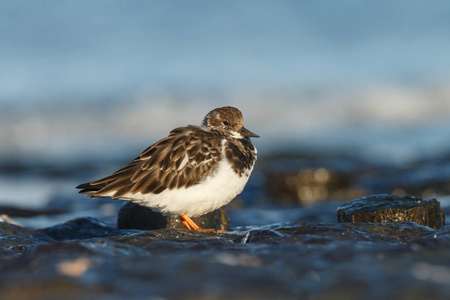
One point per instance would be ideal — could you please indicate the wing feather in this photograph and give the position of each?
(182, 159)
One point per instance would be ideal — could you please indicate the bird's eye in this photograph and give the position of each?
(226, 123)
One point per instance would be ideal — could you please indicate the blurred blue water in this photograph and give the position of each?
(84, 76)
(61, 50)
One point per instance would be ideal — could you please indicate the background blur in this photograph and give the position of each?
(93, 83)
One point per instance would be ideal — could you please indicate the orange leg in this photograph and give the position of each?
(189, 224)
(185, 224)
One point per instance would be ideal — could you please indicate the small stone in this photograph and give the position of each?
(135, 216)
(392, 209)
(80, 228)
(19, 231)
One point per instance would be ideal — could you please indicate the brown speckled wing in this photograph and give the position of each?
(182, 159)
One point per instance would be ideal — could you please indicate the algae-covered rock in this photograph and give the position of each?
(392, 209)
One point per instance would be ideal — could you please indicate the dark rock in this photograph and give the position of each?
(81, 228)
(16, 243)
(99, 246)
(171, 241)
(14, 240)
(134, 216)
(389, 208)
(15, 230)
(439, 239)
(265, 235)
(329, 233)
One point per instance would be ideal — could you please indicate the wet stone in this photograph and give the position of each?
(81, 228)
(265, 235)
(135, 216)
(392, 209)
(8, 229)
(14, 240)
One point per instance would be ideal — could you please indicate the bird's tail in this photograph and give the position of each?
(89, 189)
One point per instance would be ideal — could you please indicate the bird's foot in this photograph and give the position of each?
(189, 224)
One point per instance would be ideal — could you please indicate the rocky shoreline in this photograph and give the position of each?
(303, 239)
(86, 258)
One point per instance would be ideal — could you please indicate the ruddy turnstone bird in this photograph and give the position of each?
(193, 171)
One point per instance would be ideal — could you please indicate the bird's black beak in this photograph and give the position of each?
(247, 133)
